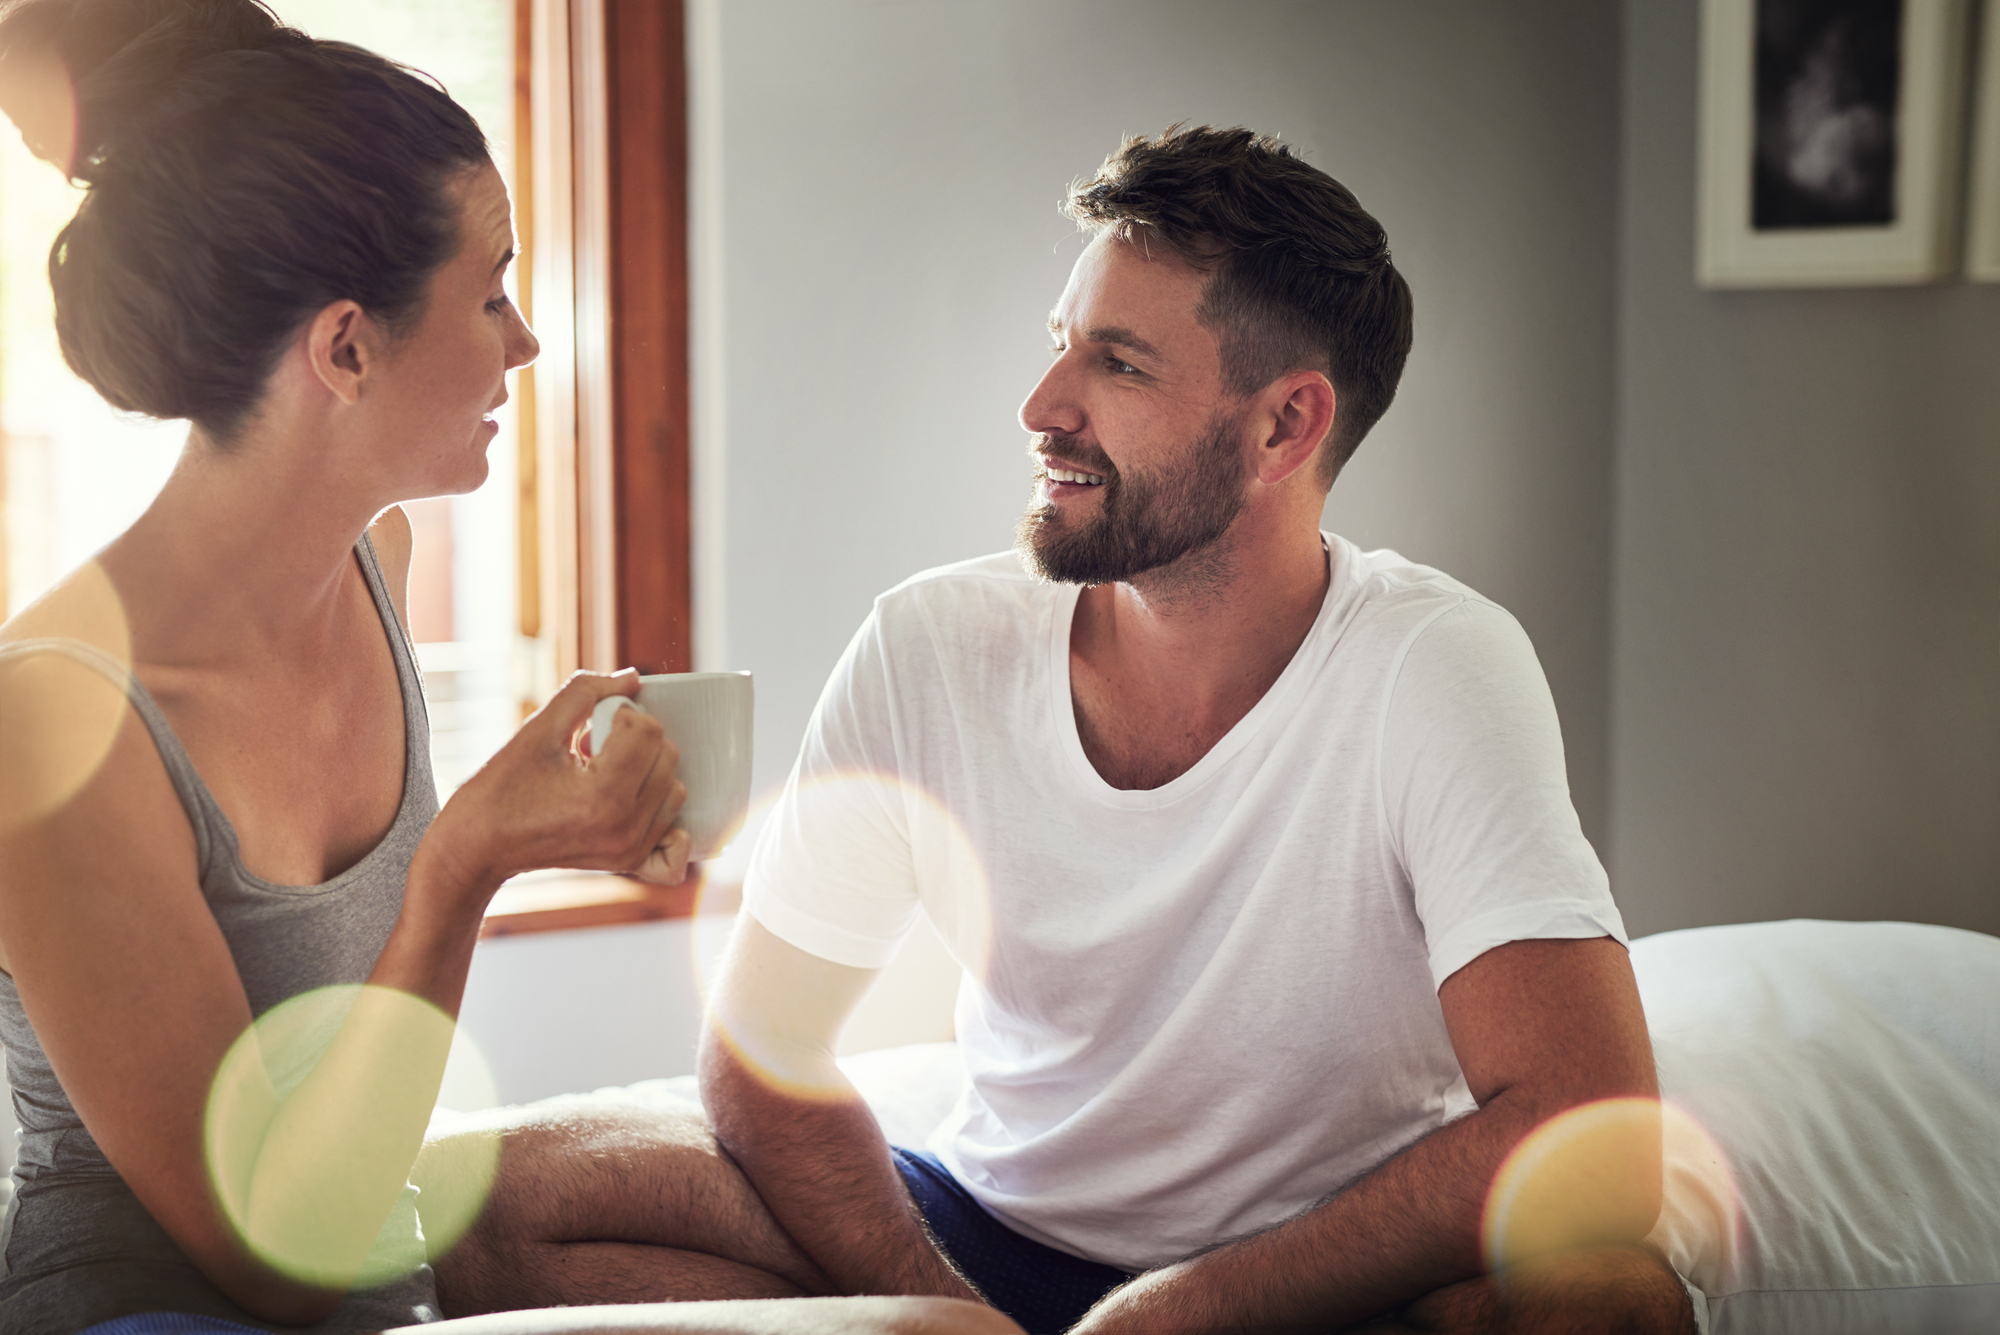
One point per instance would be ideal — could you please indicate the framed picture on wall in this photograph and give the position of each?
(1829, 142)
(1982, 236)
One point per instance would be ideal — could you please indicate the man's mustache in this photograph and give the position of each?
(1073, 450)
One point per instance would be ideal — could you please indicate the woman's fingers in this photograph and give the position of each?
(667, 812)
(615, 811)
(668, 863)
(635, 749)
(569, 708)
(660, 801)
(633, 790)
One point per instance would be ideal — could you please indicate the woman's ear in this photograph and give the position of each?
(343, 346)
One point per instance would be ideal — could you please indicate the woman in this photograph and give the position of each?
(217, 793)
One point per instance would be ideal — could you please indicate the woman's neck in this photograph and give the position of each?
(244, 552)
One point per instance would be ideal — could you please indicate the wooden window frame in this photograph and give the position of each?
(606, 189)
(605, 533)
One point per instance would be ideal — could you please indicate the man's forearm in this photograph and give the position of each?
(1410, 1227)
(823, 1169)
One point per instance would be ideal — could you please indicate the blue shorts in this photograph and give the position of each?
(170, 1323)
(1044, 1290)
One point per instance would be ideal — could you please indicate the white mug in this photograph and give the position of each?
(708, 716)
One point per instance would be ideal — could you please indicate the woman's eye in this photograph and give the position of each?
(499, 303)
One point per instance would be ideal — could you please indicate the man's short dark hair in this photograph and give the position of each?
(1302, 278)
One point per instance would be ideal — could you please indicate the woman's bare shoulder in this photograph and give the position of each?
(83, 606)
(88, 813)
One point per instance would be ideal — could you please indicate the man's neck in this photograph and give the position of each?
(1163, 667)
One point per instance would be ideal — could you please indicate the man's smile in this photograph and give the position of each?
(1057, 474)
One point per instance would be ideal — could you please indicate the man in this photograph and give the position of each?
(1257, 849)
(1280, 934)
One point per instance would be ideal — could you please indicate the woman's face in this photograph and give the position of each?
(445, 375)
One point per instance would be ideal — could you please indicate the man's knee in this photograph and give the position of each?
(1599, 1291)
(557, 1165)
(580, 1171)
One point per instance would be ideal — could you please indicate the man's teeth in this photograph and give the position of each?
(1065, 475)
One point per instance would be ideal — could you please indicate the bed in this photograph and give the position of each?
(1833, 1148)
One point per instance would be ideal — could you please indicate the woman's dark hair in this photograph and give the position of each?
(242, 176)
(1302, 278)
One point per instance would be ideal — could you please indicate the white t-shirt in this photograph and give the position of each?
(1193, 1011)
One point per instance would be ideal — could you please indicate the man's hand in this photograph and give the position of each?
(1539, 1027)
(796, 1127)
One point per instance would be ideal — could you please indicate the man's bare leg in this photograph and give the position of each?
(609, 1204)
(810, 1316)
(1602, 1291)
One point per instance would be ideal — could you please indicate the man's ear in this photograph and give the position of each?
(342, 347)
(1301, 407)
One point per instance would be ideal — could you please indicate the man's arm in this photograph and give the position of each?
(1539, 1027)
(795, 1125)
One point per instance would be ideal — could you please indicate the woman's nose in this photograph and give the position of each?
(522, 345)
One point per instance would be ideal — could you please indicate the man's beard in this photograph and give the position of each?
(1144, 521)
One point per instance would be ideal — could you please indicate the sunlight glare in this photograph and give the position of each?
(320, 1191)
(1577, 1180)
(875, 821)
(39, 96)
(63, 716)
(856, 804)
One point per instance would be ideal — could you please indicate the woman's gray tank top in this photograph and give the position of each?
(77, 1247)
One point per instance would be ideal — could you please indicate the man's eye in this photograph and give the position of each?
(1057, 349)
(1120, 367)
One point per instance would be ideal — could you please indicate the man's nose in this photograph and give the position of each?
(1052, 406)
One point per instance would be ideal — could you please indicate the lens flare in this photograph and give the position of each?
(859, 824)
(310, 1143)
(60, 717)
(1583, 1178)
(468, 1084)
(461, 1156)
(1701, 1212)
(857, 806)
(715, 909)
(795, 1073)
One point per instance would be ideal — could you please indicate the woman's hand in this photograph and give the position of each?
(539, 803)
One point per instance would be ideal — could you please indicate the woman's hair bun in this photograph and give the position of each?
(242, 176)
(125, 59)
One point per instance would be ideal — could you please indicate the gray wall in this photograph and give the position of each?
(1807, 609)
(884, 248)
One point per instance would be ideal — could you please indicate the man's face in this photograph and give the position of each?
(1139, 451)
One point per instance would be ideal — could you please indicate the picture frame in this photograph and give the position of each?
(1982, 229)
(1830, 139)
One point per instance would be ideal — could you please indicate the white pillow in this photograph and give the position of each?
(1847, 1079)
